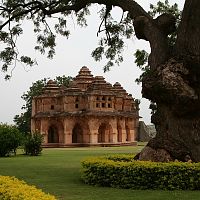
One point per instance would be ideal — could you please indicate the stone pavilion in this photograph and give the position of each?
(89, 112)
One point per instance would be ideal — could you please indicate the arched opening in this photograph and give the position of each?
(53, 136)
(101, 135)
(105, 134)
(119, 135)
(77, 134)
(128, 135)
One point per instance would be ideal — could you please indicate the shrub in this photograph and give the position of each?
(105, 171)
(12, 188)
(121, 157)
(33, 144)
(10, 139)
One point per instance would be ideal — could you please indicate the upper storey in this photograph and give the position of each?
(83, 79)
(85, 93)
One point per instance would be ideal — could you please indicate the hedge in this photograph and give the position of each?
(13, 189)
(124, 172)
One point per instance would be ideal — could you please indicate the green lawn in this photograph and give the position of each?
(57, 171)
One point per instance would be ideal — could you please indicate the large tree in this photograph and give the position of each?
(172, 81)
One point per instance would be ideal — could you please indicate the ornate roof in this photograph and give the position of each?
(84, 76)
(100, 86)
(86, 83)
(73, 87)
(118, 89)
(51, 87)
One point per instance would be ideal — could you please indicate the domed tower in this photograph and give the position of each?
(84, 78)
(47, 101)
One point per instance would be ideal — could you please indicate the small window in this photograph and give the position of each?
(97, 105)
(76, 105)
(103, 98)
(52, 107)
(109, 99)
(103, 105)
(77, 99)
(109, 105)
(97, 98)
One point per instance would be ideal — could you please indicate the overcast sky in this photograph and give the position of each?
(71, 55)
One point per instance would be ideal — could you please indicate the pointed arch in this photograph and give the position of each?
(105, 133)
(119, 133)
(53, 136)
(77, 134)
(128, 134)
(101, 133)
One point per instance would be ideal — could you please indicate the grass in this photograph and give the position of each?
(57, 171)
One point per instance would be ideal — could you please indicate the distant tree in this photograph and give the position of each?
(23, 121)
(33, 144)
(10, 139)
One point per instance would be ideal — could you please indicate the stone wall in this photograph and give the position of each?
(145, 132)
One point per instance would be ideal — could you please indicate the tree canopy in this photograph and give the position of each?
(47, 24)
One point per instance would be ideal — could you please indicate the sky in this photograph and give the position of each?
(71, 55)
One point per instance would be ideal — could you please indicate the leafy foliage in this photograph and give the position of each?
(47, 25)
(33, 144)
(141, 60)
(12, 188)
(23, 120)
(165, 7)
(111, 45)
(126, 173)
(10, 139)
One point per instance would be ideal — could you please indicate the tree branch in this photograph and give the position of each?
(155, 31)
(131, 6)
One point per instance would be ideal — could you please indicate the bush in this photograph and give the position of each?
(33, 144)
(121, 157)
(10, 139)
(127, 173)
(12, 188)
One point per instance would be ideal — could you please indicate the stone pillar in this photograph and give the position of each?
(94, 136)
(68, 137)
(93, 129)
(132, 135)
(33, 129)
(32, 114)
(44, 130)
(114, 134)
(123, 135)
(114, 140)
(123, 126)
(68, 126)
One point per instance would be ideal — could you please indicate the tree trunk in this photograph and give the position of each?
(173, 83)
(178, 138)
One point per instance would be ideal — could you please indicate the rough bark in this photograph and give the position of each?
(188, 45)
(173, 84)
